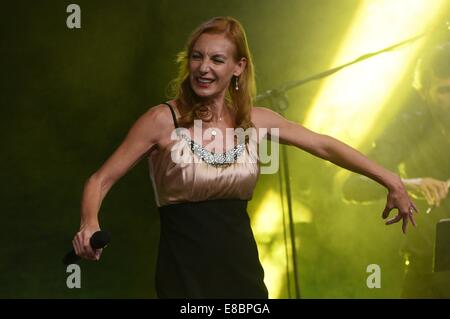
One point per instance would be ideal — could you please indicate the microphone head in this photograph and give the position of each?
(100, 239)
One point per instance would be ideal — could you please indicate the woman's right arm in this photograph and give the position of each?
(142, 137)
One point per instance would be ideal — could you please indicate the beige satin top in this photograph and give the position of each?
(178, 181)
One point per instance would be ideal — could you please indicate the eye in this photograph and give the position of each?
(195, 56)
(219, 61)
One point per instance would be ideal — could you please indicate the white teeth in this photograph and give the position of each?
(204, 81)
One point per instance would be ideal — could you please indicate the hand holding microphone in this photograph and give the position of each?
(88, 243)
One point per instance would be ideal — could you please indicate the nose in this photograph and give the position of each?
(204, 66)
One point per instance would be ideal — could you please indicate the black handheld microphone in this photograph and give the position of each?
(98, 240)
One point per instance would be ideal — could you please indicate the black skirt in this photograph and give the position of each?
(207, 250)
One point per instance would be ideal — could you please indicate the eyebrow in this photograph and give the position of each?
(214, 54)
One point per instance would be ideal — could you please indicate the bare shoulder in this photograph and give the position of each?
(155, 123)
(158, 114)
(257, 115)
(156, 117)
(258, 111)
(264, 117)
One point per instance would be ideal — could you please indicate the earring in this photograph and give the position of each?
(237, 83)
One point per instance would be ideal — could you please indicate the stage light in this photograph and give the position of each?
(267, 226)
(352, 105)
(354, 102)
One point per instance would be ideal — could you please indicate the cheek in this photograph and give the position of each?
(191, 79)
(192, 69)
(193, 65)
(225, 75)
(224, 81)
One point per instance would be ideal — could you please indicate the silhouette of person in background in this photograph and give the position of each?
(416, 145)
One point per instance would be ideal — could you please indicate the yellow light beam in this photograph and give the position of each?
(267, 224)
(348, 104)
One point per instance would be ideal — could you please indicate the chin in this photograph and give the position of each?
(204, 93)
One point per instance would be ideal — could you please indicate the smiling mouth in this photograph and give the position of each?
(203, 82)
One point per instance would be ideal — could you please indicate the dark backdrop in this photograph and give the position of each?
(68, 98)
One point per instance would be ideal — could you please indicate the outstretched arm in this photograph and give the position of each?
(142, 137)
(331, 149)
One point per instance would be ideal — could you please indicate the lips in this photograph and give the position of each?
(203, 82)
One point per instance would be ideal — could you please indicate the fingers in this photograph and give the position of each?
(400, 200)
(89, 252)
(82, 246)
(76, 247)
(411, 218)
(443, 191)
(434, 191)
(404, 219)
(98, 253)
(394, 220)
(428, 196)
(405, 223)
(435, 194)
(386, 211)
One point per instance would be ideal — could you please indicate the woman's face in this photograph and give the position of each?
(212, 65)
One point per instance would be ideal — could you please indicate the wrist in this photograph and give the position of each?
(394, 182)
(93, 224)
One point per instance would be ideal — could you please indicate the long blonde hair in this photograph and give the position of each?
(239, 101)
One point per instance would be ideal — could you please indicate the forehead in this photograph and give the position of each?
(213, 43)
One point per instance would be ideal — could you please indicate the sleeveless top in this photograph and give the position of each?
(184, 171)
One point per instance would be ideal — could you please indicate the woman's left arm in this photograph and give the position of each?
(331, 149)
